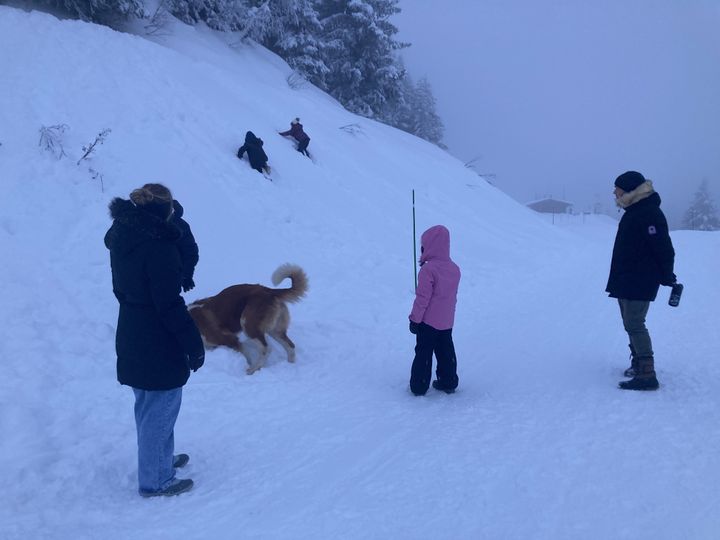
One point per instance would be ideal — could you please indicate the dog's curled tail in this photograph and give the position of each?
(299, 282)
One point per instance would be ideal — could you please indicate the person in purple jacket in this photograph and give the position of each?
(297, 132)
(433, 314)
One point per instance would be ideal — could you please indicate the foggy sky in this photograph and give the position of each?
(560, 97)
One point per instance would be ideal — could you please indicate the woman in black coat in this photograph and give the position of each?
(254, 148)
(157, 342)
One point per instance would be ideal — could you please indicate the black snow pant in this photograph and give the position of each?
(429, 341)
(260, 167)
(302, 147)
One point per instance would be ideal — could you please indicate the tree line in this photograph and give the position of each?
(347, 48)
(702, 215)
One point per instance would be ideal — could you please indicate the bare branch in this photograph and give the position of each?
(89, 149)
(296, 81)
(51, 139)
(352, 129)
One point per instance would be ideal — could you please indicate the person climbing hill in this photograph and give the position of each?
(296, 131)
(257, 156)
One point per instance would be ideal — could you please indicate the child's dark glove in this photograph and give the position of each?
(188, 284)
(414, 327)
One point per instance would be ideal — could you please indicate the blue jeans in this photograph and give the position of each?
(155, 415)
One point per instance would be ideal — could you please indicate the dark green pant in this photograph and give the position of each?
(633, 316)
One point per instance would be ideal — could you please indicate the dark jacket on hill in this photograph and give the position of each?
(254, 148)
(155, 333)
(189, 253)
(643, 255)
(296, 131)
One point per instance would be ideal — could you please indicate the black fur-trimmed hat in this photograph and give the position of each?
(629, 181)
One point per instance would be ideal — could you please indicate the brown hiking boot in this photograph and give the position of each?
(645, 378)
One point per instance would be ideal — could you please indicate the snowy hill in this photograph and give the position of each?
(537, 442)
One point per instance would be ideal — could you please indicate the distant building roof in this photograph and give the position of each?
(550, 206)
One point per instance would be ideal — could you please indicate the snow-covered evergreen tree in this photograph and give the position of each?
(415, 111)
(99, 11)
(225, 15)
(359, 46)
(702, 215)
(289, 28)
(429, 124)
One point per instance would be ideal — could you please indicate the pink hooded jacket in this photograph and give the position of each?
(438, 281)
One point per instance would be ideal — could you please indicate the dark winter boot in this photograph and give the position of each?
(176, 488)
(180, 460)
(633, 369)
(645, 379)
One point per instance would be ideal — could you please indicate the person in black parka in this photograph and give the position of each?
(643, 258)
(189, 253)
(157, 342)
(254, 148)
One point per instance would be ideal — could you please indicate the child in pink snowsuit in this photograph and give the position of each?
(433, 314)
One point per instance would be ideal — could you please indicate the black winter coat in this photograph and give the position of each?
(189, 253)
(643, 255)
(254, 148)
(155, 333)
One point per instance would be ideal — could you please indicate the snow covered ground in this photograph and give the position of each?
(538, 443)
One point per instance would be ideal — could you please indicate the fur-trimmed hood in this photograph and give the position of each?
(132, 226)
(643, 191)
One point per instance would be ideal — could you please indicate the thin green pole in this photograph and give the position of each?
(414, 243)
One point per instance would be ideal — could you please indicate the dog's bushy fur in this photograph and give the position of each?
(256, 310)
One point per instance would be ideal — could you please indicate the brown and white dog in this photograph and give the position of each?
(256, 310)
